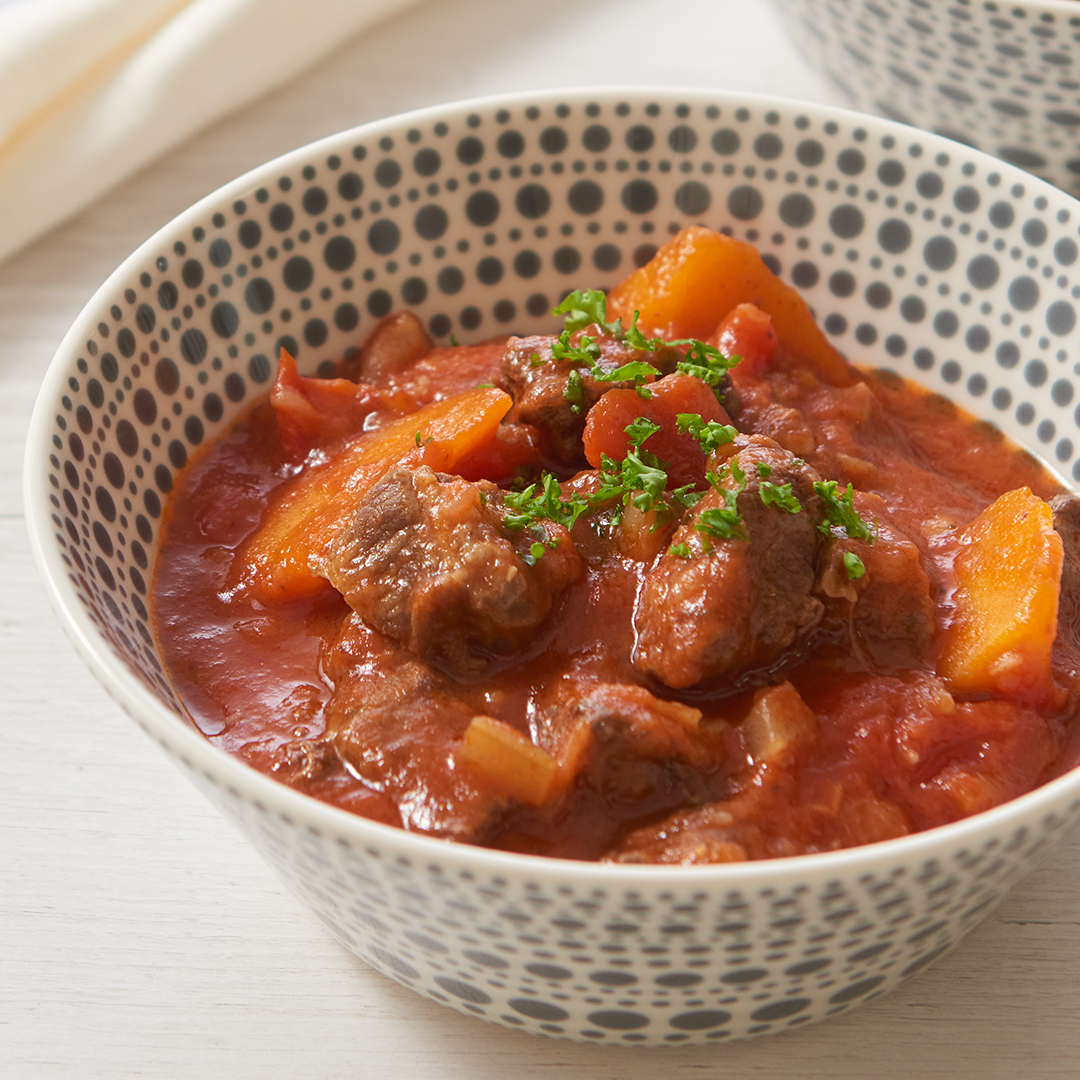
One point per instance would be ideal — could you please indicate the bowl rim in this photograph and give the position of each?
(180, 737)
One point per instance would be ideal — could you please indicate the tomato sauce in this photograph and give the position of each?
(616, 597)
(890, 757)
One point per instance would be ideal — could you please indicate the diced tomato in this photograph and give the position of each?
(746, 331)
(605, 426)
(318, 412)
(449, 370)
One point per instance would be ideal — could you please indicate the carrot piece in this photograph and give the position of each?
(1008, 580)
(309, 511)
(605, 426)
(508, 760)
(696, 279)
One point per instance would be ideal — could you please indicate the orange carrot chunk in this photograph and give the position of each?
(699, 276)
(1008, 579)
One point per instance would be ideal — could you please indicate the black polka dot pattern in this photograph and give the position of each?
(915, 253)
(1001, 77)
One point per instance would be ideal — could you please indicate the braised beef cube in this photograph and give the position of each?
(714, 607)
(427, 561)
(397, 727)
(889, 608)
(627, 745)
(545, 397)
(1066, 510)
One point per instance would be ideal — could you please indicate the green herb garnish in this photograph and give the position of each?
(585, 307)
(586, 351)
(575, 392)
(853, 565)
(779, 495)
(840, 511)
(531, 505)
(710, 435)
(724, 522)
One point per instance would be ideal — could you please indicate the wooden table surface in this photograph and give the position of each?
(139, 935)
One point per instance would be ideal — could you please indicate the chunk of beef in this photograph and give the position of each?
(890, 609)
(539, 385)
(734, 604)
(427, 561)
(397, 727)
(628, 748)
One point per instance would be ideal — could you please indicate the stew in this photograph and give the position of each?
(677, 585)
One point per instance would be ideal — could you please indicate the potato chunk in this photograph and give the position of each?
(698, 277)
(1008, 578)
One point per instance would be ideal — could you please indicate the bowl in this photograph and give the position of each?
(477, 217)
(1002, 77)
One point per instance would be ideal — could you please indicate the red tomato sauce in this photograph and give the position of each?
(892, 754)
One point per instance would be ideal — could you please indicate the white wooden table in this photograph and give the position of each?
(140, 936)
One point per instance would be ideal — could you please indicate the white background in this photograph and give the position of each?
(139, 935)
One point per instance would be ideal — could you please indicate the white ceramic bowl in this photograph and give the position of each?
(477, 217)
(999, 75)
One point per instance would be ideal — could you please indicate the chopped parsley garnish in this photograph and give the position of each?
(681, 550)
(641, 429)
(639, 479)
(531, 506)
(840, 511)
(586, 351)
(584, 307)
(764, 470)
(588, 307)
(710, 435)
(638, 370)
(705, 362)
(724, 522)
(779, 495)
(686, 496)
(853, 565)
(575, 392)
(637, 340)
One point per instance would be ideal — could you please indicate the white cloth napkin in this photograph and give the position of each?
(90, 90)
